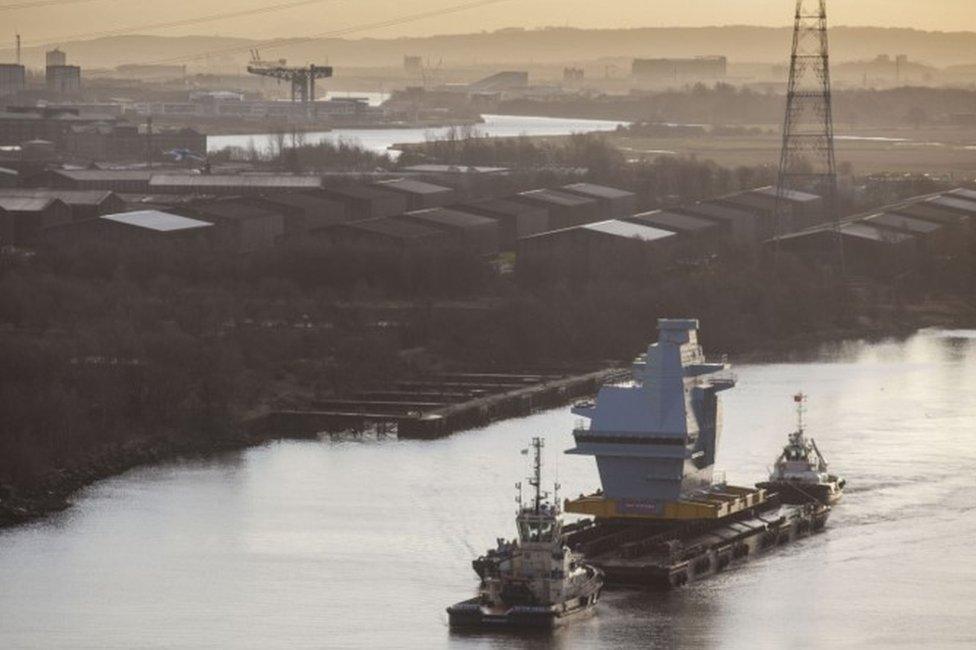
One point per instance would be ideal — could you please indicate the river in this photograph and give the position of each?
(339, 544)
(380, 140)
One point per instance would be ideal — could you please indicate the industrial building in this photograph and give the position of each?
(698, 68)
(13, 78)
(893, 241)
(472, 232)
(565, 209)
(22, 124)
(23, 219)
(704, 231)
(802, 210)
(743, 226)
(63, 79)
(367, 202)
(306, 212)
(868, 250)
(615, 203)
(515, 219)
(241, 225)
(84, 204)
(113, 180)
(390, 236)
(419, 195)
(611, 248)
(231, 184)
(130, 142)
(156, 229)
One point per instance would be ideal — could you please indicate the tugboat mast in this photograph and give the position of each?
(800, 400)
(536, 480)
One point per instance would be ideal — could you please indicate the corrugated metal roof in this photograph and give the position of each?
(674, 221)
(954, 203)
(629, 230)
(601, 191)
(24, 204)
(503, 207)
(105, 174)
(790, 195)
(453, 169)
(454, 218)
(866, 231)
(244, 181)
(156, 220)
(930, 212)
(71, 197)
(411, 186)
(361, 192)
(963, 193)
(903, 222)
(237, 209)
(718, 211)
(555, 197)
(398, 228)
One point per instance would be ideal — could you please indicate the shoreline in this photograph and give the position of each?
(56, 494)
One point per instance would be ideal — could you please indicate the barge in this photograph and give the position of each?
(662, 518)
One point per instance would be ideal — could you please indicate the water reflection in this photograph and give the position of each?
(362, 544)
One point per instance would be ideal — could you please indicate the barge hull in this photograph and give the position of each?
(664, 558)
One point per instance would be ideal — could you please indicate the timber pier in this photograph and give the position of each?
(434, 407)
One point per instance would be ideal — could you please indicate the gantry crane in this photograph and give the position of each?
(302, 79)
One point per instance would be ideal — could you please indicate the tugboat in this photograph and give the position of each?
(535, 581)
(800, 473)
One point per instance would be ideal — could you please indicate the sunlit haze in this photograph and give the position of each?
(67, 19)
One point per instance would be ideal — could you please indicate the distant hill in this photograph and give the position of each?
(551, 45)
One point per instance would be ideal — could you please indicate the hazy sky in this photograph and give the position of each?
(81, 17)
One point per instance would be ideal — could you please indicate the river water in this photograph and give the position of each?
(380, 140)
(362, 544)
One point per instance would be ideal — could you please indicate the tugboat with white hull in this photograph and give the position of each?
(800, 473)
(535, 581)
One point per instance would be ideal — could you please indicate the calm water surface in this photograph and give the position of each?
(380, 140)
(362, 545)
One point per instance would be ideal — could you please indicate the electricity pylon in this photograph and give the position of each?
(807, 160)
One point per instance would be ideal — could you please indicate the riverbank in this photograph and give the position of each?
(55, 492)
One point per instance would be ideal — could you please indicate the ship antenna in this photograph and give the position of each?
(536, 480)
(800, 398)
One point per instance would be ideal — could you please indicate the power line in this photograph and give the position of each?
(344, 31)
(179, 23)
(41, 3)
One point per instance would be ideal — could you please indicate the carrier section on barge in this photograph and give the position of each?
(661, 520)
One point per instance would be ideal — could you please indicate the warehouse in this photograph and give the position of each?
(470, 231)
(932, 238)
(232, 184)
(957, 204)
(615, 203)
(242, 226)
(565, 210)
(134, 230)
(515, 219)
(688, 226)
(84, 204)
(803, 211)
(9, 178)
(24, 219)
(932, 212)
(611, 248)
(390, 235)
(305, 212)
(367, 202)
(113, 180)
(868, 250)
(419, 195)
(743, 225)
